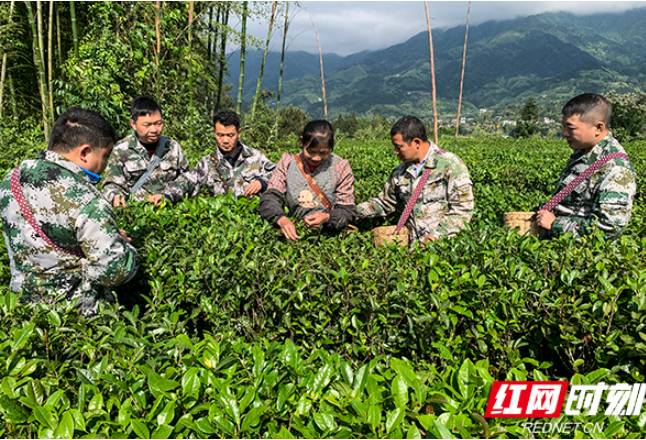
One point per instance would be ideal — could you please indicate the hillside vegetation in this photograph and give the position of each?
(551, 56)
(229, 330)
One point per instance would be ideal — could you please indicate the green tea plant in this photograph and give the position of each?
(229, 330)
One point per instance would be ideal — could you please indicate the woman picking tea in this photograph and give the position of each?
(316, 185)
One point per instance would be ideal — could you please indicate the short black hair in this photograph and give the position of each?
(591, 107)
(410, 128)
(143, 106)
(316, 133)
(78, 126)
(226, 117)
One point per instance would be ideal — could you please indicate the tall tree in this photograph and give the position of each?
(190, 70)
(50, 63)
(157, 31)
(464, 60)
(264, 58)
(318, 39)
(157, 48)
(214, 32)
(243, 45)
(41, 45)
(14, 102)
(59, 44)
(223, 57)
(210, 45)
(74, 34)
(282, 63)
(628, 116)
(4, 62)
(526, 125)
(38, 62)
(430, 40)
(114, 64)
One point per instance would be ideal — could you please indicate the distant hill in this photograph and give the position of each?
(550, 56)
(297, 64)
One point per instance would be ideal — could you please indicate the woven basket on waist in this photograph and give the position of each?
(521, 221)
(386, 235)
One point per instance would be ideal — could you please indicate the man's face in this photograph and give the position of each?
(149, 128)
(316, 156)
(97, 160)
(227, 137)
(581, 135)
(406, 152)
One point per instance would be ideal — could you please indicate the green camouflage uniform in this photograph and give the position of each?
(603, 201)
(71, 211)
(443, 207)
(130, 160)
(250, 165)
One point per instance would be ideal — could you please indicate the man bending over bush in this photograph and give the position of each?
(604, 200)
(445, 200)
(60, 233)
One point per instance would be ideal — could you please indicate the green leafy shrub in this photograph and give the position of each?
(23, 139)
(231, 331)
(628, 116)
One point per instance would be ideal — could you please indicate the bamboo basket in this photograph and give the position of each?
(521, 221)
(385, 235)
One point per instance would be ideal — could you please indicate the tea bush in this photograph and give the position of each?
(231, 331)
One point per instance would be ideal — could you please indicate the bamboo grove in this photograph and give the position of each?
(100, 55)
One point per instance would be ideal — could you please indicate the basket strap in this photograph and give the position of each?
(312, 183)
(551, 204)
(225, 185)
(151, 167)
(16, 189)
(413, 199)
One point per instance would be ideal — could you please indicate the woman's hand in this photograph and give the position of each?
(316, 220)
(287, 228)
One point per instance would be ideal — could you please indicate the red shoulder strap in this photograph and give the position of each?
(551, 204)
(413, 199)
(411, 202)
(16, 189)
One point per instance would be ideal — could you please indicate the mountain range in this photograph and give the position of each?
(550, 57)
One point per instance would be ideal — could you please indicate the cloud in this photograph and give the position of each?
(350, 27)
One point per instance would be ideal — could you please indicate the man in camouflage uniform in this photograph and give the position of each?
(446, 201)
(605, 199)
(134, 154)
(233, 166)
(60, 233)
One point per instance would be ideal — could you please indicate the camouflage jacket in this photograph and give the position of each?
(603, 201)
(70, 210)
(250, 165)
(130, 160)
(443, 207)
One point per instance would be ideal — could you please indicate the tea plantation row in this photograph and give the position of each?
(231, 331)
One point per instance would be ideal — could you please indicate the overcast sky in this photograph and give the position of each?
(349, 27)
